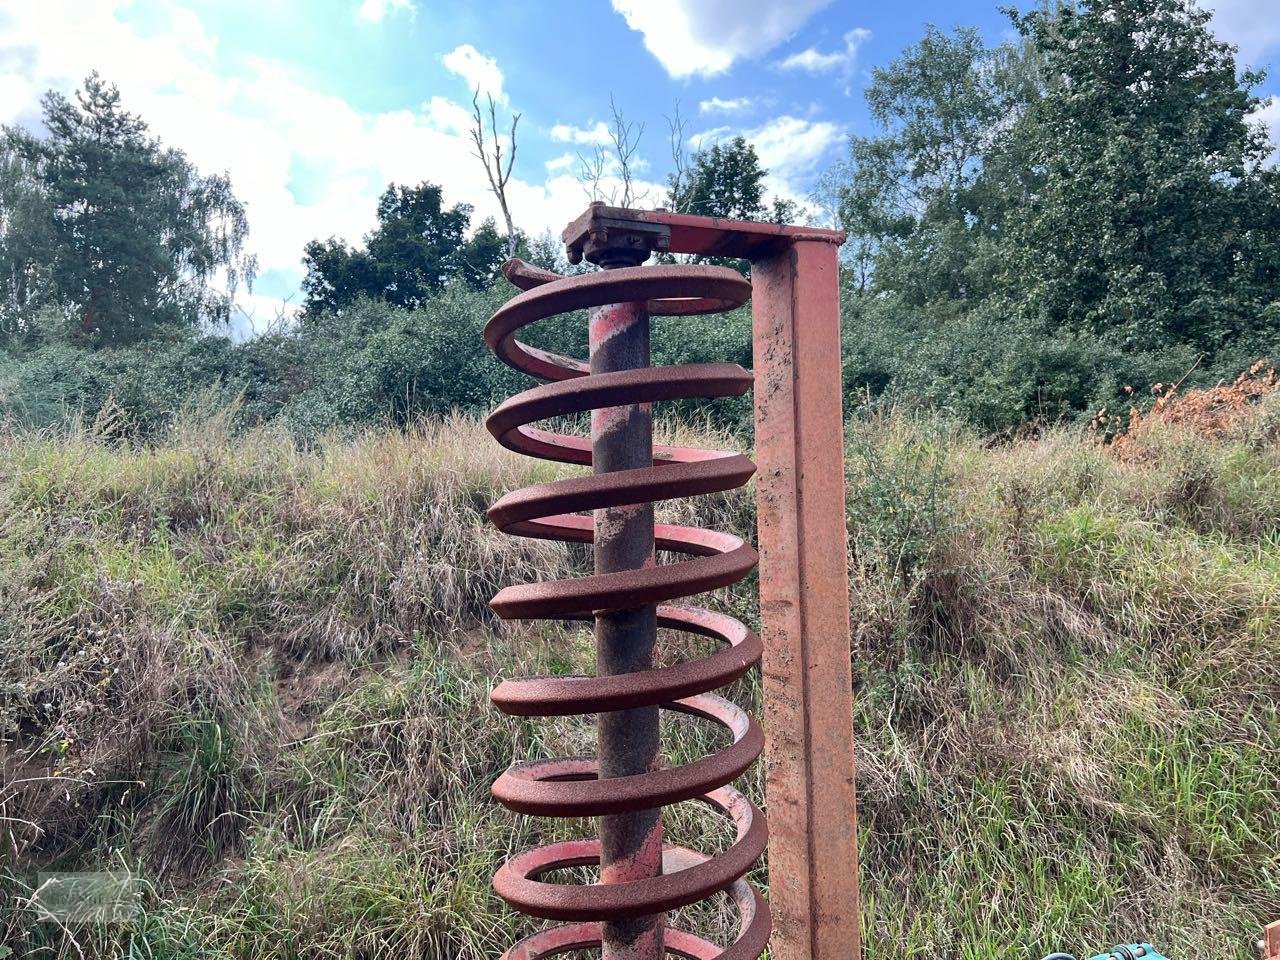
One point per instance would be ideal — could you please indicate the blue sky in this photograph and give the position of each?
(313, 106)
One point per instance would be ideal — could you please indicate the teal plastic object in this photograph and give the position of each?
(1132, 951)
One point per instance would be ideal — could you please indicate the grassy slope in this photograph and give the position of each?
(256, 679)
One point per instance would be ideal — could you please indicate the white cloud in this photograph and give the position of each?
(706, 37)
(792, 150)
(562, 162)
(273, 132)
(839, 61)
(811, 61)
(375, 10)
(717, 105)
(708, 137)
(597, 135)
(477, 70)
(1252, 25)
(449, 115)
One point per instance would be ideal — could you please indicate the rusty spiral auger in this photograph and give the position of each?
(597, 915)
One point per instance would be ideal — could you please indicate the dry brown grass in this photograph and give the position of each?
(256, 677)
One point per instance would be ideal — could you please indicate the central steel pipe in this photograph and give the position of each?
(628, 740)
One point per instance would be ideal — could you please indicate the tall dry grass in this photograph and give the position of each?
(254, 678)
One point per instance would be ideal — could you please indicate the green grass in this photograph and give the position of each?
(254, 677)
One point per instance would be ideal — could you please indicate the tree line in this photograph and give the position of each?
(1039, 226)
(1036, 228)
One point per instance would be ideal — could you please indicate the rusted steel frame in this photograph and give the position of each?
(627, 740)
(686, 233)
(753, 931)
(804, 604)
(667, 290)
(1270, 943)
(568, 696)
(692, 878)
(539, 787)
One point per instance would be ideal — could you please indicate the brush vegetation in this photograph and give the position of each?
(252, 678)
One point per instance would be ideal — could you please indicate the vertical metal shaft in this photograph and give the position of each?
(622, 439)
(804, 604)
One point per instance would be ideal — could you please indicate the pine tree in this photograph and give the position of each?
(141, 244)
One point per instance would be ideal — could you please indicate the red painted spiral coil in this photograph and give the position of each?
(554, 511)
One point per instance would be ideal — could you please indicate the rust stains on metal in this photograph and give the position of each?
(1271, 942)
(804, 593)
(687, 233)
(804, 605)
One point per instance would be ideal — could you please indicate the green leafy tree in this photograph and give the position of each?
(418, 247)
(1037, 225)
(1154, 221)
(337, 275)
(480, 258)
(26, 236)
(140, 243)
(921, 198)
(724, 180)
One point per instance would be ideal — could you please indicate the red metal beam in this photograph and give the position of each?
(1271, 942)
(804, 604)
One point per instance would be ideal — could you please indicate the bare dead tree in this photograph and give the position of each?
(626, 141)
(491, 157)
(677, 181)
(591, 170)
(616, 159)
